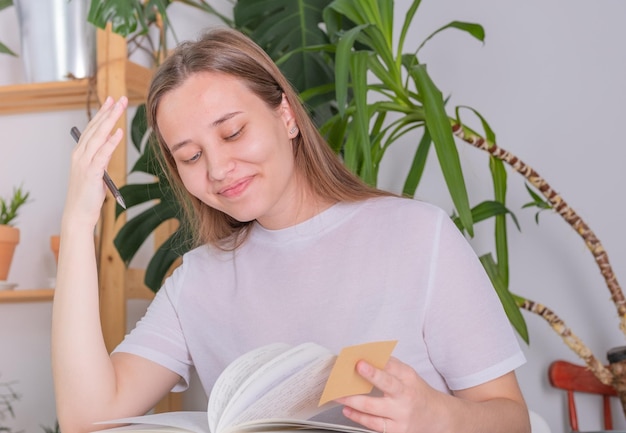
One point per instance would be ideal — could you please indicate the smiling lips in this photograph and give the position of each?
(236, 189)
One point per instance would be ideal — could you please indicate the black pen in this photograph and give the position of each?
(107, 179)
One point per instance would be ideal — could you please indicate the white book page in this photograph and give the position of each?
(297, 397)
(233, 376)
(193, 421)
(285, 425)
(270, 376)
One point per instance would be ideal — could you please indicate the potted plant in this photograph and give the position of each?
(9, 235)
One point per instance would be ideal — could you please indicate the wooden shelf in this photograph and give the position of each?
(26, 295)
(68, 95)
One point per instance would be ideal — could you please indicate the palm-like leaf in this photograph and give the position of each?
(404, 88)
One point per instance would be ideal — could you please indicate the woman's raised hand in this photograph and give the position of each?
(90, 158)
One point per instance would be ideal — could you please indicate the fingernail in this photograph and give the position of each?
(364, 368)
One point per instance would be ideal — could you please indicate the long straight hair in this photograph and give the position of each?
(230, 52)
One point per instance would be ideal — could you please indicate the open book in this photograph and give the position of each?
(272, 388)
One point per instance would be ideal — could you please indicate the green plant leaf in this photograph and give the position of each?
(284, 26)
(139, 126)
(6, 50)
(438, 125)
(417, 166)
(123, 15)
(506, 297)
(135, 194)
(485, 210)
(3, 48)
(475, 30)
(499, 178)
(358, 68)
(137, 229)
(173, 248)
(405, 26)
(9, 207)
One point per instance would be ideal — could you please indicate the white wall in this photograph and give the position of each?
(549, 79)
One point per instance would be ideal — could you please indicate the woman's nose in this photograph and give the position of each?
(218, 165)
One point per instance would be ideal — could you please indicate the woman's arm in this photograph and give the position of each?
(410, 405)
(89, 386)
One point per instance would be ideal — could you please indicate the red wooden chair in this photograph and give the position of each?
(578, 378)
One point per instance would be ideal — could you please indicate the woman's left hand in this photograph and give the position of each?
(409, 405)
(406, 405)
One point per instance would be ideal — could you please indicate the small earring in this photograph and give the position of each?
(293, 130)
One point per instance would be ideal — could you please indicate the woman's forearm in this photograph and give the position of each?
(83, 374)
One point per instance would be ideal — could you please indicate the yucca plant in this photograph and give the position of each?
(357, 38)
(393, 96)
(405, 100)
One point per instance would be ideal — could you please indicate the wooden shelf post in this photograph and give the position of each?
(111, 81)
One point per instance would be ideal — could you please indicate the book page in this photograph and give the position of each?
(296, 397)
(270, 376)
(286, 425)
(235, 375)
(191, 421)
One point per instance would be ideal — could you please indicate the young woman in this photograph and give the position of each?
(291, 247)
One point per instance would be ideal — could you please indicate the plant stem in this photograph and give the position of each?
(561, 207)
(571, 340)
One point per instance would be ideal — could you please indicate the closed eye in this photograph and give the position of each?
(193, 158)
(235, 135)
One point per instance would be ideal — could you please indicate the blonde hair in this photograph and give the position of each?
(228, 51)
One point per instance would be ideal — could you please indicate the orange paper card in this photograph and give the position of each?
(344, 380)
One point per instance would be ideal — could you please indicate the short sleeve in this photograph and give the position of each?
(468, 335)
(158, 336)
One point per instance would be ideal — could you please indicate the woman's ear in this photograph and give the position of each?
(286, 114)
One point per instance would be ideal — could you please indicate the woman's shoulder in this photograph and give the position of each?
(402, 207)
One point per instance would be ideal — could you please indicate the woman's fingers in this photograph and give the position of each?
(90, 158)
(99, 129)
(404, 394)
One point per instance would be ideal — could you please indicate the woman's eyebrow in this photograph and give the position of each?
(214, 124)
(225, 117)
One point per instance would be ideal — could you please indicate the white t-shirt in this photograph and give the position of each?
(381, 269)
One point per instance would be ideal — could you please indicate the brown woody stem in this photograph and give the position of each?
(573, 342)
(561, 207)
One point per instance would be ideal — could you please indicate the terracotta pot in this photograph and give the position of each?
(9, 238)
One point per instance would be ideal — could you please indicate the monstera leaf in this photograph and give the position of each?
(126, 16)
(136, 231)
(289, 31)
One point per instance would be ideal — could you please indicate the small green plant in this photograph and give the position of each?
(55, 429)
(8, 209)
(8, 396)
